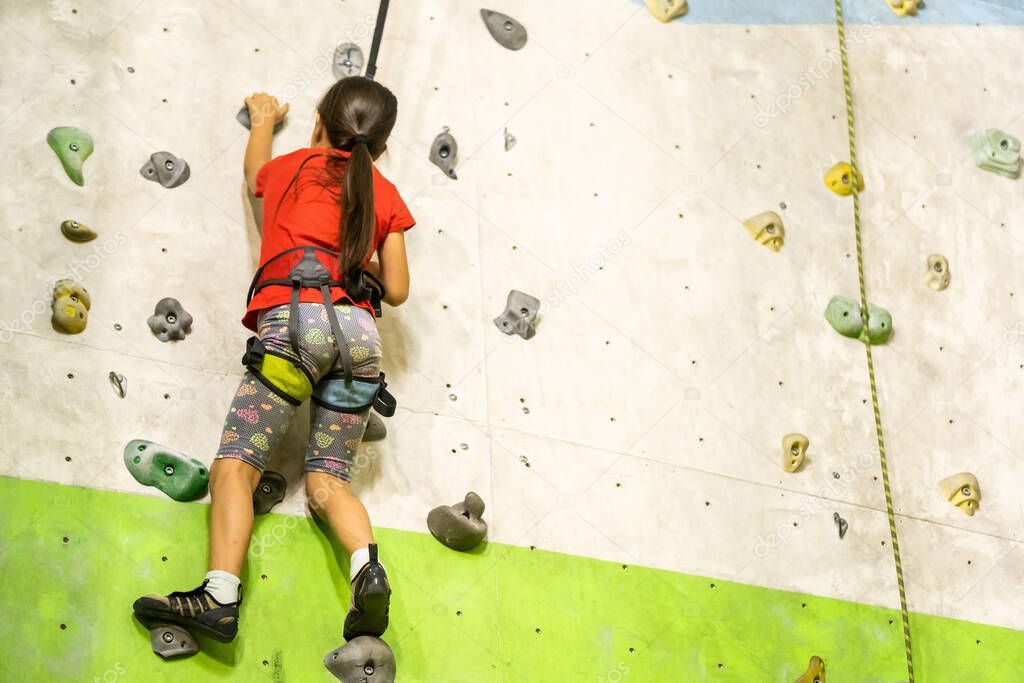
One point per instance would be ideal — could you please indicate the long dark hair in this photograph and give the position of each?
(357, 115)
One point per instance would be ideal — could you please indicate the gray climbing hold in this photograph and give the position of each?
(376, 430)
(269, 492)
(348, 60)
(520, 315)
(119, 382)
(510, 140)
(72, 146)
(459, 526)
(507, 31)
(77, 232)
(443, 153)
(841, 525)
(170, 321)
(362, 660)
(166, 169)
(245, 119)
(171, 641)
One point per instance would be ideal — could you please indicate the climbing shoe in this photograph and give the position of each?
(195, 610)
(371, 597)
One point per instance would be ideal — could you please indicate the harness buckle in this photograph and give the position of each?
(309, 271)
(254, 352)
(361, 286)
(384, 402)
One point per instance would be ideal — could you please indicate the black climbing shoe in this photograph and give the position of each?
(371, 598)
(194, 610)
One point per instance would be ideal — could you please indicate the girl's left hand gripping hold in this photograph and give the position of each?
(264, 109)
(265, 112)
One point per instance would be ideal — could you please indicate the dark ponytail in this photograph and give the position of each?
(358, 217)
(357, 115)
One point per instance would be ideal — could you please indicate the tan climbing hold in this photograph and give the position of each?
(815, 672)
(838, 178)
(794, 450)
(667, 10)
(903, 8)
(70, 307)
(937, 275)
(767, 229)
(962, 490)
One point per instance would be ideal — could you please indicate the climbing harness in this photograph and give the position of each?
(309, 267)
(848, 92)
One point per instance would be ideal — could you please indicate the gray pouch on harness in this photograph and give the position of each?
(356, 396)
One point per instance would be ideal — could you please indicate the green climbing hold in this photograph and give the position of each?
(843, 314)
(996, 151)
(179, 476)
(72, 146)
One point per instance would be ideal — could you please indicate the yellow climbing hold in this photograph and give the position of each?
(667, 10)
(962, 490)
(838, 178)
(767, 229)
(904, 7)
(794, 451)
(815, 672)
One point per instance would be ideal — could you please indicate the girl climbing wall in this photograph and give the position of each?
(312, 304)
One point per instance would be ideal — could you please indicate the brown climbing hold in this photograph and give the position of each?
(767, 229)
(71, 304)
(962, 490)
(459, 526)
(815, 671)
(77, 232)
(794, 450)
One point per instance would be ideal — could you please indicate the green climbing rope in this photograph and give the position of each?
(867, 345)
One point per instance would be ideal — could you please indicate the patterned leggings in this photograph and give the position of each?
(259, 418)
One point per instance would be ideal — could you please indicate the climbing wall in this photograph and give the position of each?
(641, 526)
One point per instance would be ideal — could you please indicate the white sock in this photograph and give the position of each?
(358, 561)
(223, 586)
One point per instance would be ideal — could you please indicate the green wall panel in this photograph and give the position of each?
(499, 614)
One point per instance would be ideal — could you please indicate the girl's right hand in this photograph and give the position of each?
(264, 108)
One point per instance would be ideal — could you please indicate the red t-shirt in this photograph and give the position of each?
(309, 215)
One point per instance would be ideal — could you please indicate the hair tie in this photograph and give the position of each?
(360, 139)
